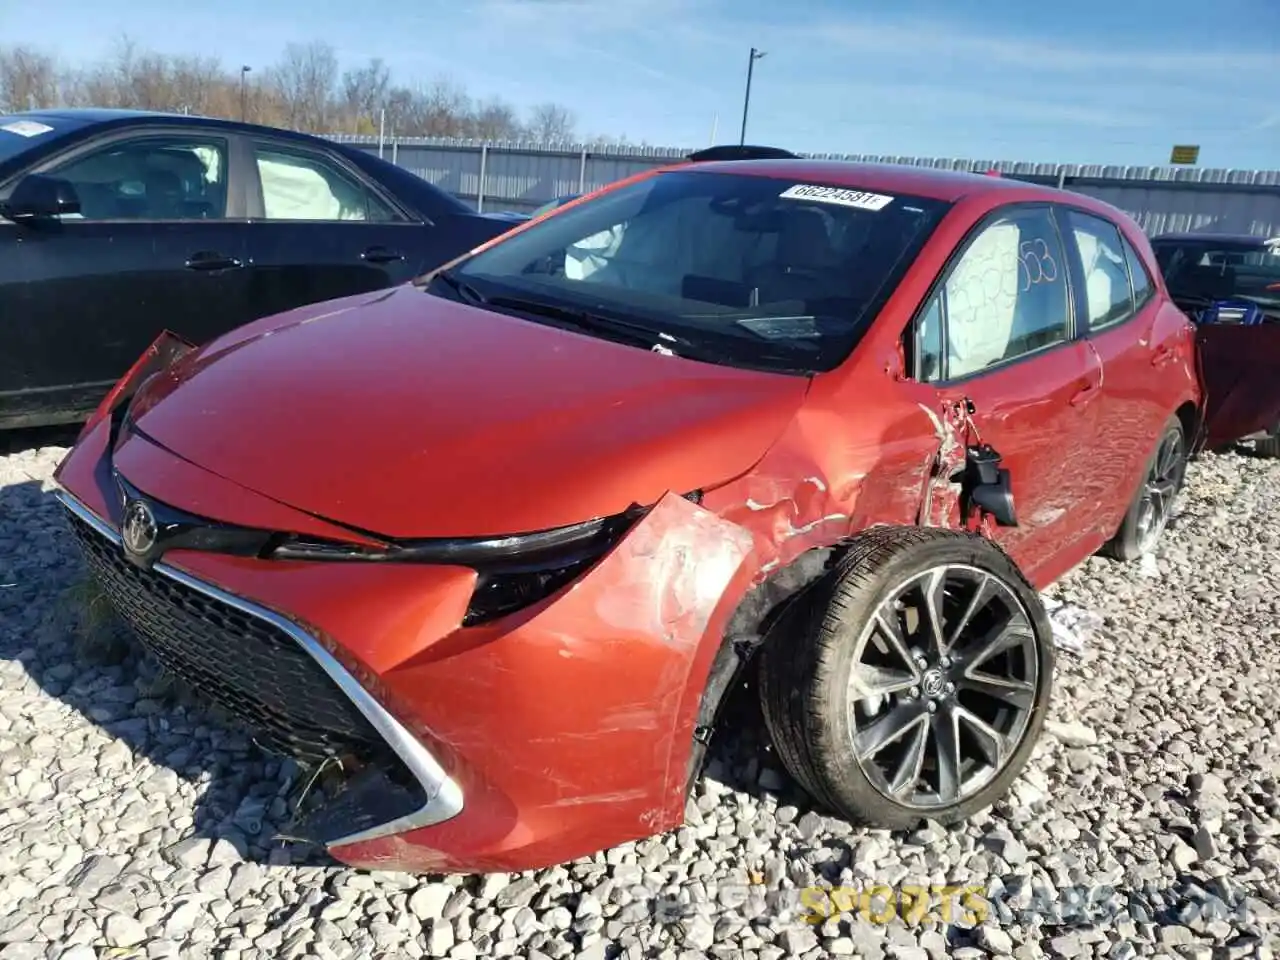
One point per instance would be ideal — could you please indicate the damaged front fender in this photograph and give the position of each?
(571, 725)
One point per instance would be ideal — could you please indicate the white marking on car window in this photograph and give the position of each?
(842, 196)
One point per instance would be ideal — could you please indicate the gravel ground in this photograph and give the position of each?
(133, 824)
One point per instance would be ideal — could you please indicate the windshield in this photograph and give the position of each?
(552, 205)
(1215, 271)
(741, 269)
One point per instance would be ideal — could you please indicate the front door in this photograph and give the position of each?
(322, 231)
(997, 337)
(151, 249)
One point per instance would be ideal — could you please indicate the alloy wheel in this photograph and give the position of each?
(944, 682)
(1159, 490)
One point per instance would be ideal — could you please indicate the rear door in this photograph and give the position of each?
(1139, 340)
(153, 247)
(322, 229)
(998, 333)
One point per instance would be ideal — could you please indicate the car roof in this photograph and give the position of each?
(96, 114)
(931, 182)
(81, 117)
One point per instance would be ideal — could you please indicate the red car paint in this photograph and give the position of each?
(569, 725)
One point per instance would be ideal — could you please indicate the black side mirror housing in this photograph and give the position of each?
(988, 486)
(37, 197)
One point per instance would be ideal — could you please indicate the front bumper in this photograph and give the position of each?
(566, 728)
(160, 603)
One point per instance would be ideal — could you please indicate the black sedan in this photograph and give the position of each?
(116, 225)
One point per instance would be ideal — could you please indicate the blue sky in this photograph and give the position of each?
(1093, 81)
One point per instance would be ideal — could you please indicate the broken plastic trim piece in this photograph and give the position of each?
(159, 355)
(444, 799)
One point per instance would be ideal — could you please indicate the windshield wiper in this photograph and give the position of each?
(586, 320)
(460, 286)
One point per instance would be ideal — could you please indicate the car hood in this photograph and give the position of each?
(407, 415)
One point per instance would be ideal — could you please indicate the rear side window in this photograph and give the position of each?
(1107, 297)
(1005, 298)
(305, 186)
(1143, 288)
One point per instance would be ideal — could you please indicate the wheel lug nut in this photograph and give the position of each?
(913, 693)
(933, 706)
(951, 688)
(945, 661)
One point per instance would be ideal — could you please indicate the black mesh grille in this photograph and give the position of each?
(251, 669)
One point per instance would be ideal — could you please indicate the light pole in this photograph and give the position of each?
(746, 101)
(244, 73)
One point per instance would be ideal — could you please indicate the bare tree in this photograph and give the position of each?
(28, 80)
(364, 94)
(494, 120)
(551, 123)
(446, 108)
(304, 91)
(305, 79)
(199, 85)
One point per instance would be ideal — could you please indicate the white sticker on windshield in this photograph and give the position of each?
(838, 195)
(26, 128)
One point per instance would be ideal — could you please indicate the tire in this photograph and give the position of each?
(1133, 539)
(809, 658)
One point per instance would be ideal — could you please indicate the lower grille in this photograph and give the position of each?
(247, 666)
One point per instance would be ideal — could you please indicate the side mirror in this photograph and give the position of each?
(988, 486)
(37, 197)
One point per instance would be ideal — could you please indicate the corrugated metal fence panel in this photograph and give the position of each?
(523, 176)
(1165, 210)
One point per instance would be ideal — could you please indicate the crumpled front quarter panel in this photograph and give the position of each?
(596, 718)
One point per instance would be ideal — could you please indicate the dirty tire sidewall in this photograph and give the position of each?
(1126, 544)
(807, 660)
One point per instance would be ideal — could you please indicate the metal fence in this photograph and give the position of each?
(521, 177)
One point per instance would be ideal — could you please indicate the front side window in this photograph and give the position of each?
(738, 269)
(1106, 275)
(150, 178)
(303, 186)
(1004, 298)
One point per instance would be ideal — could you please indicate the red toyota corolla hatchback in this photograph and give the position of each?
(498, 542)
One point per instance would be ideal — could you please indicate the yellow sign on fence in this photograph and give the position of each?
(1185, 155)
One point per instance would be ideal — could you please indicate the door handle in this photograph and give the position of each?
(381, 255)
(209, 260)
(1085, 394)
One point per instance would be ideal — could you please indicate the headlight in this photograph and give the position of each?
(514, 571)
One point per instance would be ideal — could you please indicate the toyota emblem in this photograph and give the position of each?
(139, 530)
